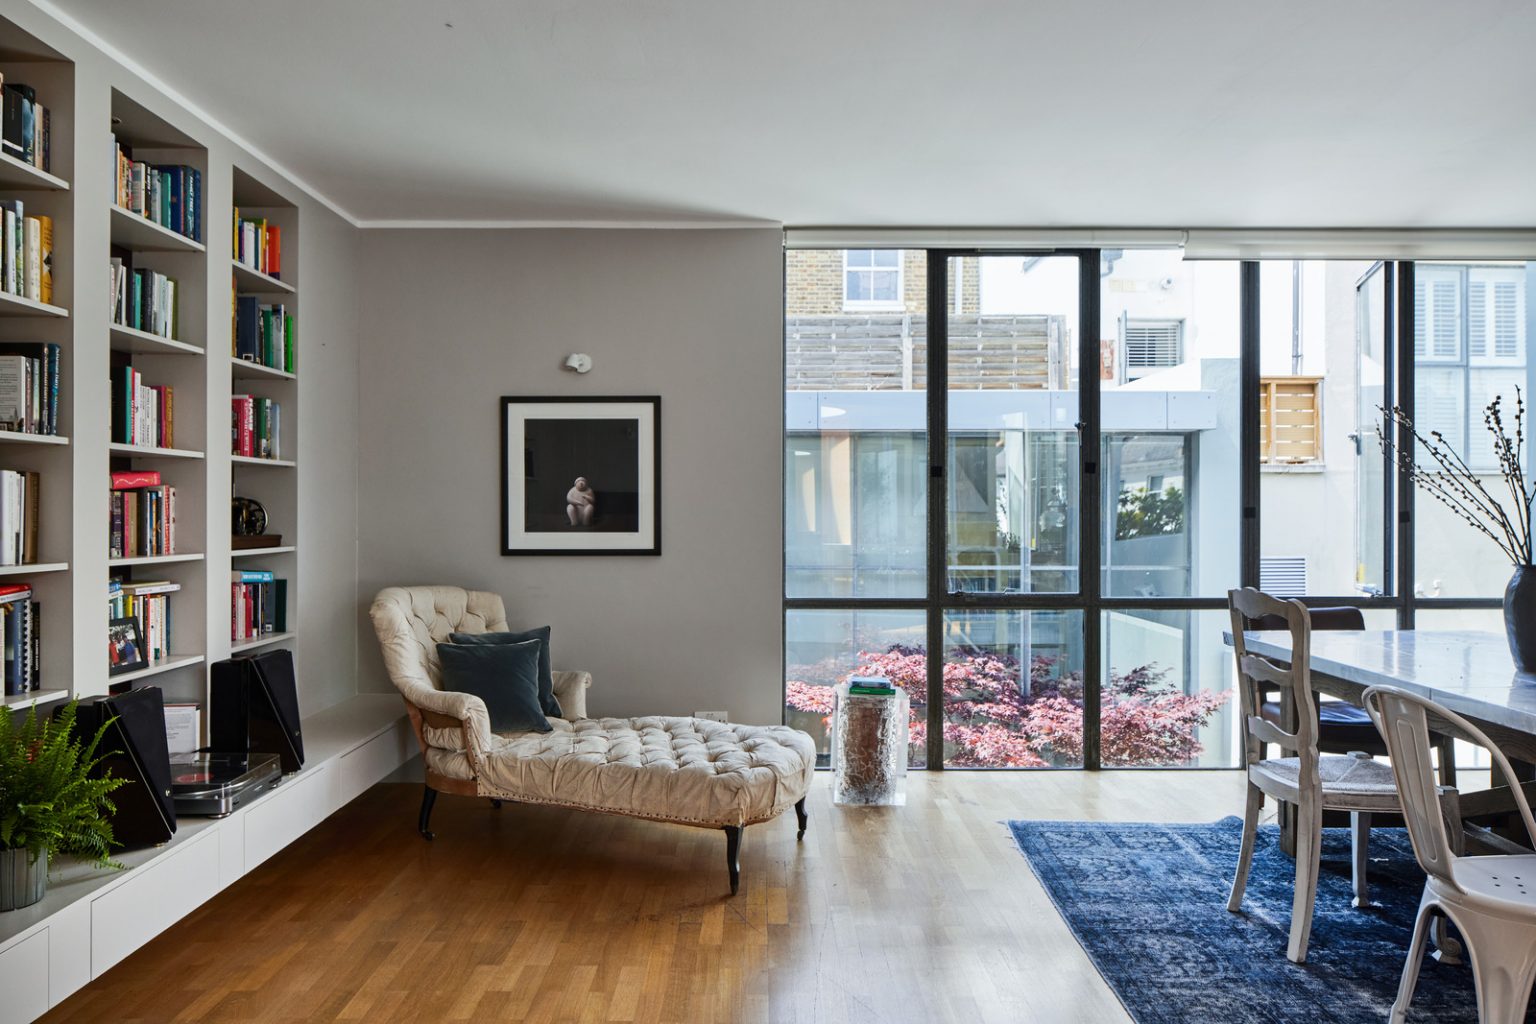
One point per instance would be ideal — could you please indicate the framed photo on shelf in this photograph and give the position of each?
(581, 476)
(125, 646)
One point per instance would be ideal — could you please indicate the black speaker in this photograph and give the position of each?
(135, 749)
(253, 707)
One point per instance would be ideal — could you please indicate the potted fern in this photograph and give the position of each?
(49, 801)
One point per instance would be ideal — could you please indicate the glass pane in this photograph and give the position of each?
(823, 648)
(1486, 304)
(1322, 342)
(1169, 376)
(855, 454)
(1013, 689)
(1168, 700)
(1013, 447)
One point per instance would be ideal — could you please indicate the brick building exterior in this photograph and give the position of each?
(814, 283)
(832, 344)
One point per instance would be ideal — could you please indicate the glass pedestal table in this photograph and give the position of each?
(869, 748)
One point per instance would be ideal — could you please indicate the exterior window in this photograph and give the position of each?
(1284, 576)
(1151, 345)
(1470, 341)
(872, 279)
(1290, 417)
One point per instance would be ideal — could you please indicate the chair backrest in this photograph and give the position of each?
(1343, 617)
(1257, 675)
(1402, 718)
(411, 621)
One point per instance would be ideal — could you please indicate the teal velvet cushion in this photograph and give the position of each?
(505, 676)
(547, 700)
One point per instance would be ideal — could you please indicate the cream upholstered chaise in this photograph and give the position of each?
(682, 770)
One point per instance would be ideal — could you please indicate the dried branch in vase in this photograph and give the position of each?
(1447, 477)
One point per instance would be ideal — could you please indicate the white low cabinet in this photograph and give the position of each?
(24, 979)
(374, 760)
(93, 918)
(156, 897)
(295, 807)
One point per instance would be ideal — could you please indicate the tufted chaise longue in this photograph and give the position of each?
(681, 770)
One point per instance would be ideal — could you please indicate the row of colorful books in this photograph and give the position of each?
(258, 604)
(20, 639)
(264, 334)
(170, 195)
(26, 126)
(20, 516)
(145, 300)
(256, 427)
(142, 414)
(259, 245)
(29, 388)
(147, 603)
(26, 252)
(142, 513)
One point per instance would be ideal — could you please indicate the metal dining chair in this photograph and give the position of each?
(1490, 900)
(1312, 780)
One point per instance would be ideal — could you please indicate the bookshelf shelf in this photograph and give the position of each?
(118, 563)
(16, 305)
(263, 641)
(16, 175)
(19, 437)
(286, 549)
(163, 665)
(33, 698)
(131, 339)
(143, 452)
(131, 231)
(251, 280)
(251, 460)
(36, 568)
(244, 369)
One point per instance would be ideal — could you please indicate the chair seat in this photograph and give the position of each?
(1506, 882)
(1349, 783)
(1340, 725)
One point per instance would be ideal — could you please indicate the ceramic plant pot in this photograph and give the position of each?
(23, 878)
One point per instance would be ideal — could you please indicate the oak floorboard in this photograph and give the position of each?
(538, 914)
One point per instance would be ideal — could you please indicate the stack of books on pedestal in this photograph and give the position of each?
(870, 686)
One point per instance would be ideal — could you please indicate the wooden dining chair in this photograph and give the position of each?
(1490, 900)
(1312, 780)
(1342, 727)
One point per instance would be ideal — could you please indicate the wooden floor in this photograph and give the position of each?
(921, 913)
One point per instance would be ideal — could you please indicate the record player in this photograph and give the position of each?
(213, 785)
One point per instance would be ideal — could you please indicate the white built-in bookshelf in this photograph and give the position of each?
(74, 567)
(39, 319)
(90, 918)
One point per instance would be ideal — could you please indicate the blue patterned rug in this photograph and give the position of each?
(1149, 905)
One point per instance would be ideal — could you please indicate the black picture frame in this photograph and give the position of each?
(124, 635)
(553, 440)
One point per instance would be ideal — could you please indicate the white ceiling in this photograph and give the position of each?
(1179, 113)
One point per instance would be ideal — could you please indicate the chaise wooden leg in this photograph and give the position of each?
(800, 816)
(732, 855)
(428, 798)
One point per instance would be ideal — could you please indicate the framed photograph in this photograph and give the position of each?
(581, 476)
(125, 646)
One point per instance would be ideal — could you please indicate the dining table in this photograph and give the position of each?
(1466, 671)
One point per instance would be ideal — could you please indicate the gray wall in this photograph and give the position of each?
(453, 320)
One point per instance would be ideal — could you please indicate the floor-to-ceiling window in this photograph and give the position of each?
(1026, 510)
